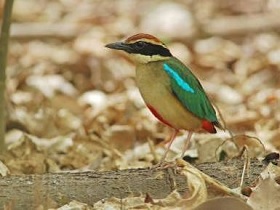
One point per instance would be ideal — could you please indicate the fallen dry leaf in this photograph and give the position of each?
(229, 203)
(74, 205)
(265, 195)
(55, 83)
(197, 187)
(4, 171)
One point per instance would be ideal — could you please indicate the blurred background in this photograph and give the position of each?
(73, 104)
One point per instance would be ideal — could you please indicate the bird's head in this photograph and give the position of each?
(142, 48)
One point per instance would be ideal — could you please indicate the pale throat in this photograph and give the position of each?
(138, 58)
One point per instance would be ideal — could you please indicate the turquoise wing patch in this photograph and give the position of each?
(175, 76)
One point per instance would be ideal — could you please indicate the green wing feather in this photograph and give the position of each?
(194, 99)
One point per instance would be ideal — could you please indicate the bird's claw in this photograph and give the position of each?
(164, 165)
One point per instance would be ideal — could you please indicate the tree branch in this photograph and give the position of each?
(49, 190)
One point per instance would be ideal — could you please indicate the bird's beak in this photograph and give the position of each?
(119, 46)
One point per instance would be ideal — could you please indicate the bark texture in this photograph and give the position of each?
(49, 190)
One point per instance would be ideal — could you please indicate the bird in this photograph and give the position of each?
(169, 88)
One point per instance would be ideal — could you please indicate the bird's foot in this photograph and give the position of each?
(164, 165)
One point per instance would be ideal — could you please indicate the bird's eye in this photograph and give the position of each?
(140, 45)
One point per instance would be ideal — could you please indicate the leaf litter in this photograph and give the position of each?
(73, 106)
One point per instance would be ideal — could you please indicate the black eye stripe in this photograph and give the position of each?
(140, 44)
(150, 49)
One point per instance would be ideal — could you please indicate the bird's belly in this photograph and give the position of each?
(169, 111)
(164, 105)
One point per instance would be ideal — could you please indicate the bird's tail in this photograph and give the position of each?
(219, 125)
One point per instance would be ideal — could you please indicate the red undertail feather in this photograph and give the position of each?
(208, 126)
(158, 116)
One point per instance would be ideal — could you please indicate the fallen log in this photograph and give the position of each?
(56, 189)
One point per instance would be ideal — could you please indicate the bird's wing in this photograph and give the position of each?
(188, 90)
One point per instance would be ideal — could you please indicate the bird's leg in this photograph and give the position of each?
(171, 139)
(187, 142)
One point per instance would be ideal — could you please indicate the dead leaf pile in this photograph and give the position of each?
(74, 105)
